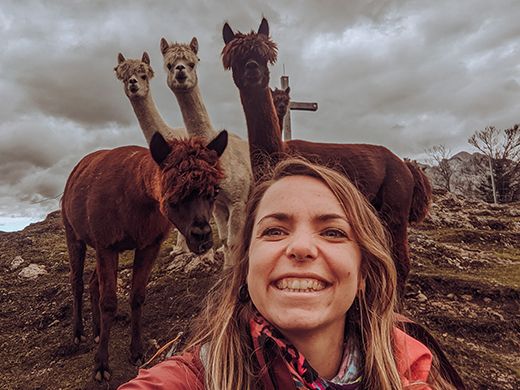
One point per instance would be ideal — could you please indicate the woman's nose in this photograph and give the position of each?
(302, 246)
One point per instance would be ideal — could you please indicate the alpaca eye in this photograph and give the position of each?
(169, 66)
(191, 65)
(144, 77)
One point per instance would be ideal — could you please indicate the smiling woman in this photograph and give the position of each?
(309, 302)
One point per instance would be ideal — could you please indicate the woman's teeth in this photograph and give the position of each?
(300, 285)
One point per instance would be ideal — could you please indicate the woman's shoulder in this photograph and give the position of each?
(181, 372)
(413, 358)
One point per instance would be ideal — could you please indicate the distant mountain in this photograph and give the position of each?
(469, 172)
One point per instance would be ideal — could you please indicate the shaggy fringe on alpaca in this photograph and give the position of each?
(126, 69)
(422, 193)
(193, 166)
(178, 50)
(245, 44)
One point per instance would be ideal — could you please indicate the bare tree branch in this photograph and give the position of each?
(439, 156)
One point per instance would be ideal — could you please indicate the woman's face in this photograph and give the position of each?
(303, 263)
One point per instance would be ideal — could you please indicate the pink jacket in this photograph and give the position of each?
(186, 372)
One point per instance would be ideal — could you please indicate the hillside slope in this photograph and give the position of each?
(465, 286)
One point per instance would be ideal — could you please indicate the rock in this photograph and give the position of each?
(466, 297)
(450, 296)
(421, 298)
(32, 271)
(487, 300)
(16, 263)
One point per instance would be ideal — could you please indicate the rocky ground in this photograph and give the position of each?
(465, 287)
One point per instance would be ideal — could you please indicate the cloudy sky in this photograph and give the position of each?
(404, 74)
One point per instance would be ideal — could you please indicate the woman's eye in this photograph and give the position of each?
(334, 233)
(273, 232)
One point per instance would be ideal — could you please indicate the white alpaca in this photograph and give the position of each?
(180, 61)
(136, 76)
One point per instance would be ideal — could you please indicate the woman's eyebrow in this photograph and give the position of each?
(282, 217)
(331, 216)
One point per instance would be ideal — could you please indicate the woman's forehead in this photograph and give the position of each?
(294, 193)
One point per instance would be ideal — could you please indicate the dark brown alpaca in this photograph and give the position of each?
(281, 100)
(399, 192)
(128, 198)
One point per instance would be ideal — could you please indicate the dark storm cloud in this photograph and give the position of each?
(403, 74)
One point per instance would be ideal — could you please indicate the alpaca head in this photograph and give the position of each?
(248, 56)
(281, 100)
(189, 179)
(135, 75)
(180, 61)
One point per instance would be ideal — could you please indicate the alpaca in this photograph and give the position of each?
(389, 184)
(127, 198)
(136, 76)
(180, 62)
(281, 100)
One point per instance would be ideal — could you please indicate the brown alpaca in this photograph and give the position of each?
(388, 183)
(128, 198)
(281, 100)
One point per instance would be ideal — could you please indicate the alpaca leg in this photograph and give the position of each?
(221, 215)
(94, 304)
(143, 263)
(400, 254)
(181, 246)
(76, 249)
(106, 269)
(236, 220)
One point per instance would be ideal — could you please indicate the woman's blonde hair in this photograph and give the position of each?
(223, 324)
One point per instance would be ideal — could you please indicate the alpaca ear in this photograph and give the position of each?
(227, 33)
(264, 27)
(164, 46)
(159, 148)
(287, 90)
(194, 45)
(145, 58)
(120, 58)
(219, 143)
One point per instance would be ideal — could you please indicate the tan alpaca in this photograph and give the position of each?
(180, 61)
(136, 76)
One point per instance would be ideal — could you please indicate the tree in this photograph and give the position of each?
(440, 155)
(502, 148)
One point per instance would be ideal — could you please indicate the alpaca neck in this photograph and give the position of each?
(149, 118)
(263, 128)
(280, 126)
(149, 173)
(194, 113)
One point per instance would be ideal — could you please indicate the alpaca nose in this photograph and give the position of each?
(133, 81)
(201, 232)
(251, 65)
(180, 67)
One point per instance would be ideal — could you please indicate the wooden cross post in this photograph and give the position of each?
(301, 106)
